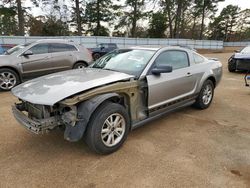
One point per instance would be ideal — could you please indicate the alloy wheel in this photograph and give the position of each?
(207, 94)
(7, 80)
(113, 129)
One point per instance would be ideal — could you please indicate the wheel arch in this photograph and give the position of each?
(80, 61)
(86, 109)
(13, 69)
(212, 78)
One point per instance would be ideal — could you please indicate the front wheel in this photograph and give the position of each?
(8, 79)
(206, 94)
(108, 128)
(232, 65)
(79, 65)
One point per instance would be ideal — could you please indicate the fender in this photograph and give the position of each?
(84, 112)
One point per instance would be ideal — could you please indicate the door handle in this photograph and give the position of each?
(189, 74)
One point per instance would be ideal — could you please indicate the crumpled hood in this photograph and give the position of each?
(50, 89)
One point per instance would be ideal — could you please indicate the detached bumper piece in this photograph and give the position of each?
(37, 126)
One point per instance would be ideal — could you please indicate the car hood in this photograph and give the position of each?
(242, 55)
(50, 89)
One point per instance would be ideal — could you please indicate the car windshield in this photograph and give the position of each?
(15, 49)
(129, 61)
(246, 50)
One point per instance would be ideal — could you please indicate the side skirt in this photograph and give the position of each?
(169, 110)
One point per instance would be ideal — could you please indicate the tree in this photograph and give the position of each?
(96, 12)
(36, 25)
(55, 27)
(78, 18)
(8, 23)
(207, 6)
(157, 25)
(133, 11)
(20, 18)
(223, 25)
(17, 5)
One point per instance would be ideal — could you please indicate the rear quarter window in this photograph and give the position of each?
(198, 59)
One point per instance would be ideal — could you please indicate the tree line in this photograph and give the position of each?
(192, 19)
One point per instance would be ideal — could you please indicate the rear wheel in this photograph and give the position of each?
(232, 65)
(8, 79)
(206, 94)
(96, 56)
(108, 128)
(79, 65)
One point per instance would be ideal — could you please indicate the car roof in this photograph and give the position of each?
(54, 40)
(158, 48)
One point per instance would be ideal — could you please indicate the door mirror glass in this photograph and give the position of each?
(27, 53)
(162, 69)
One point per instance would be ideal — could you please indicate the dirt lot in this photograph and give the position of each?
(189, 148)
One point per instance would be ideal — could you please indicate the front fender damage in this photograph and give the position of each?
(84, 112)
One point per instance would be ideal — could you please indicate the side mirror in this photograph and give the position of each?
(237, 51)
(102, 48)
(27, 53)
(162, 69)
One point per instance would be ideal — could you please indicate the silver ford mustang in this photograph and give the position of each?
(119, 92)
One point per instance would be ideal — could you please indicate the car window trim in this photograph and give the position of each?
(150, 69)
(33, 46)
(50, 47)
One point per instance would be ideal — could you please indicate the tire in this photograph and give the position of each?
(96, 56)
(231, 65)
(8, 79)
(206, 95)
(79, 65)
(99, 134)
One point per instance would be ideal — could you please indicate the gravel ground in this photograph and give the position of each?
(188, 148)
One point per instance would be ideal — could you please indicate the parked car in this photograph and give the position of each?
(119, 92)
(102, 49)
(5, 47)
(240, 60)
(39, 58)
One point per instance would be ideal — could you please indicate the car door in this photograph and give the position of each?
(61, 56)
(38, 63)
(169, 87)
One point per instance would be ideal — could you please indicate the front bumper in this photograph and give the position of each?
(37, 126)
(243, 64)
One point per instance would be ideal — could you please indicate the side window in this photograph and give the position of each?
(71, 47)
(106, 46)
(198, 59)
(111, 45)
(40, 49)
(57, 47)
(174, 58)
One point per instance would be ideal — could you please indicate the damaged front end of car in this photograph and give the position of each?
(74, 112)
(41, 118)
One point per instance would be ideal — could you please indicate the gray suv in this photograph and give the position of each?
(40, 58)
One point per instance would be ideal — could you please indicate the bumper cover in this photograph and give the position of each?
(243, 64)
(35, 126)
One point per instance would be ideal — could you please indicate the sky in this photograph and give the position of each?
(243, 4)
